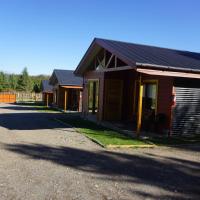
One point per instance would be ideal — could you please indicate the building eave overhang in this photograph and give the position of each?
(93, 49)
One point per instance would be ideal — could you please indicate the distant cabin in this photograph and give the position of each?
(67, 90)
(47, 93)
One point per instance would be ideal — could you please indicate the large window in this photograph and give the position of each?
(93, 96)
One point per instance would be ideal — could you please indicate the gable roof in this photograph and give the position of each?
(46, 87)
(65, 77)
(142, 55)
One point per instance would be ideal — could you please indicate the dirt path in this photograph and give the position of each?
(42, 159)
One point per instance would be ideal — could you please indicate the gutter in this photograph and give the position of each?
(162, 67)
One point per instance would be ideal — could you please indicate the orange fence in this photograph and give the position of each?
(7, 98)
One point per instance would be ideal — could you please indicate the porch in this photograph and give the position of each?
(123, 105)
(68, 98)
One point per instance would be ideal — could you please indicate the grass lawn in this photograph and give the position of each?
(107, 137)
(104, 136)
(38, 106)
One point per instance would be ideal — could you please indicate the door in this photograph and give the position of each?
(149, 104)
(113, 99)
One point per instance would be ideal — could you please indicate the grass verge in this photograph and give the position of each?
(38, 106)
(104, 136)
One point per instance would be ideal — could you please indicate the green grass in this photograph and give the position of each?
(106, 136)
(38, 106)
(45, 109)
(100, 134)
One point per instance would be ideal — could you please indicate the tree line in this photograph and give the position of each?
(21, 82)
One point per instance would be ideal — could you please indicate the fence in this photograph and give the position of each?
(7, 97)
(28, 96)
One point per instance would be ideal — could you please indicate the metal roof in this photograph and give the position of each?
(143, 55)
(65, 77)
(46, 87)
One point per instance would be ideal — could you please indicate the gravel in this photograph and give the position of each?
(43, 159)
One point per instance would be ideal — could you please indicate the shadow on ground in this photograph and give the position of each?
(30, 121)
(178, 175)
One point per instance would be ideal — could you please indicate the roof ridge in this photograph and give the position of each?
(146, 45)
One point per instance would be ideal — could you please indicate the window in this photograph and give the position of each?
(93, 96)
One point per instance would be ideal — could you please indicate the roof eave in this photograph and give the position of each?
(101, 44)
(163, 67)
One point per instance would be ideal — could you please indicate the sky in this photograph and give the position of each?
(43, 35)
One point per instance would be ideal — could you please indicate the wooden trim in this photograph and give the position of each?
(134, 97)
(98, 83)
(47, 100)
(154, 81)
(110, 59)
(65, 100)
(72, 87)
(118, 69)
(139, 119)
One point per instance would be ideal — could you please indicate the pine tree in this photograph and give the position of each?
(24, 82)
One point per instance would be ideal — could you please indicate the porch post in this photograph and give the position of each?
(65, 101)
(139, 119)
(94, 98)
(47, 100)
(80, 101)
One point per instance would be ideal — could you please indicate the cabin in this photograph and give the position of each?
(143, 87)
(67, 90)
(47, 93)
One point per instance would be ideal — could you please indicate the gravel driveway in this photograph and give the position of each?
(42, 159)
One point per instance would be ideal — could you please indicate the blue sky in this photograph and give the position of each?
(47, 34)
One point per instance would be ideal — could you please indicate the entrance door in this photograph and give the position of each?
(113, 99)
(93, 96)
(149, 104)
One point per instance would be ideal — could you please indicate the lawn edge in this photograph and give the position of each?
(77, 130)
(109, 146)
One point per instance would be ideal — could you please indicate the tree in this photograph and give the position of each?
(36, 88)
(13, 81)
(24, 82)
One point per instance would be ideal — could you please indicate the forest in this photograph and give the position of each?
(21, 82)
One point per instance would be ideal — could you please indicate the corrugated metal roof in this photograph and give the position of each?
(67, 77)
(46, 87)
(137, 54)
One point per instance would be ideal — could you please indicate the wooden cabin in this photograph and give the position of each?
(154, 89)
(67, 90)
(47, 93)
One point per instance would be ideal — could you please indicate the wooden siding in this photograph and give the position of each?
(50, 98)
(113, 99)
(128, 78)
(73, 98)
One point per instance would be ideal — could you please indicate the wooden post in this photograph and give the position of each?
(139, 119)
(65, 101)
(47, 100)
(94, 98)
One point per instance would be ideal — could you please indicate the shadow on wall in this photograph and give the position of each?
(166, 173)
